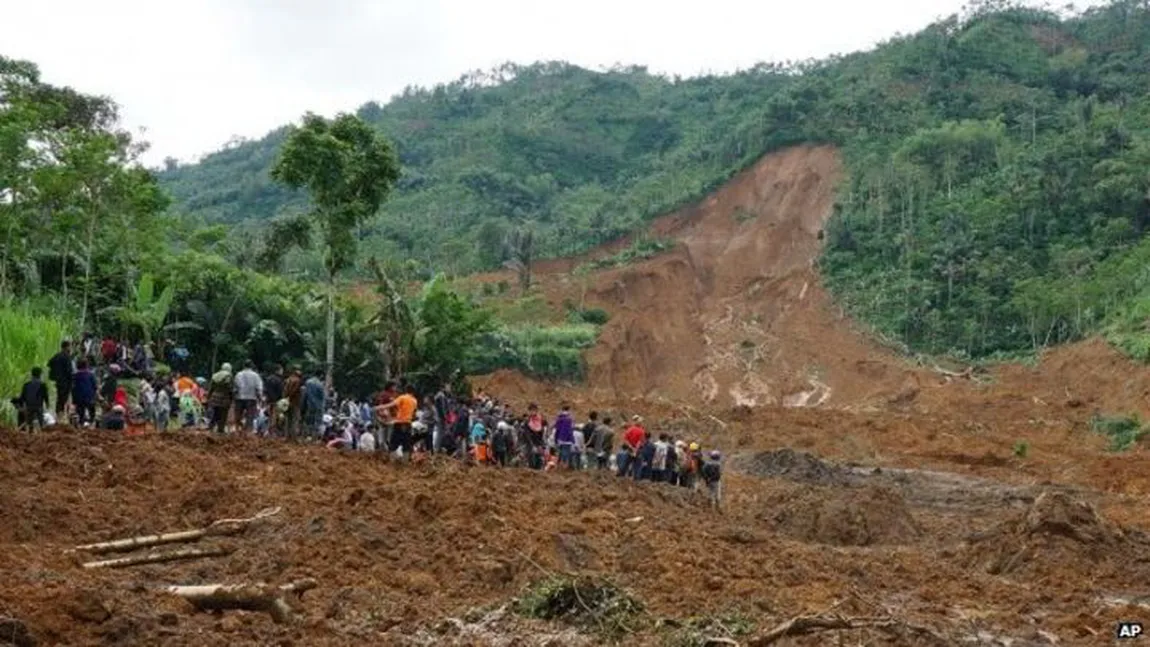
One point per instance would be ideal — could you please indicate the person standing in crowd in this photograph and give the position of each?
(84, 394)
(579, 448)
(221, 393)
(33, 401)
(249, 392)
(632, 442)
(442, 404)
(163, 406)
(61, 371)
(712, 475)
(659, 459)
(273, 393)
(403, 409)
(590, 434)
(536, 427)
(314, 401)
(293, 393)
(565, 436)
(604, 443)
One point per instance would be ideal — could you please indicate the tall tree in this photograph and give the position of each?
(348, 169)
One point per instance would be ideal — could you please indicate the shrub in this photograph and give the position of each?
(1123, 431)
(595, 316)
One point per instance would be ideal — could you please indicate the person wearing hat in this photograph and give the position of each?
(712, 475)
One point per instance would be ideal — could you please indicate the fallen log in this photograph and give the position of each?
(155, 558)
(245, 597)
(220, 527)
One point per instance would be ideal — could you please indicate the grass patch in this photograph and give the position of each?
(1123, 431)
(554, 352)
(639, 250)
(592, 604)
(27, 339)
(1021, 449)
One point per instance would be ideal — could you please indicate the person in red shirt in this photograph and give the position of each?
(632, 441)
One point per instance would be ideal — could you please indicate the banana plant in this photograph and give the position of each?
(146, 311)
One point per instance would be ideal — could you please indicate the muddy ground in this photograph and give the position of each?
(433, 553)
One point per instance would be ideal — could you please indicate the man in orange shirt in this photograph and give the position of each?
(404, 407)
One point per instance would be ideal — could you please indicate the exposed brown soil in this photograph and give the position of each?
(1059, 533)
(854, 517)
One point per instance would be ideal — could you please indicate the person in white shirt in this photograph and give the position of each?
(579, 448)
(249, 388)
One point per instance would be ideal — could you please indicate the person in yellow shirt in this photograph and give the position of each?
(404, 407)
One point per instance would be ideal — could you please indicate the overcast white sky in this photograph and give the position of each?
(194, 73)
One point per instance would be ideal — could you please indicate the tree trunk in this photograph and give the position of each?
(223, 327)
(64, 266)
(88, 265)
(248, 597)
(159, 557)
(4, 259)
(329, 357)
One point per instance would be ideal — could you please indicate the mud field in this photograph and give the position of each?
(935, 506)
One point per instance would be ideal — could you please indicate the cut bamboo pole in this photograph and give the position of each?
(218, 528)
(155, 558)
(245, 597)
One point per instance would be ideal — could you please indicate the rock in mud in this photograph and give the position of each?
(856, 517)
(87, 606)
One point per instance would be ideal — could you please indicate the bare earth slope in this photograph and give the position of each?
(736, 314)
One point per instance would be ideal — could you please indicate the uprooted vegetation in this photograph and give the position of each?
(593, 604)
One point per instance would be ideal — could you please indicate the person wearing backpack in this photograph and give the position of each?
(712, 476)
(221, 393)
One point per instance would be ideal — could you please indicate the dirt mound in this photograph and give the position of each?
(866, 516)
(1056, 531)
(792, 465)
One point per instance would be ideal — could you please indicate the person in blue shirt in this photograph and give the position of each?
(84, 393)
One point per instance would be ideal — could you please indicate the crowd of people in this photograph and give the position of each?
(92, 390)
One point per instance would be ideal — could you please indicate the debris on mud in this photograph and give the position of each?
(793, 465)
(1055, 531)
(590, 603)
(865, 516)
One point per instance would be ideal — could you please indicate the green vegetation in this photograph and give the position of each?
(589, 603)
(995, 201)
(1021, 449)
(84, 231)
(1124, 431)
(348, 170)
(640, 249)
(27, 339)
(540, 351)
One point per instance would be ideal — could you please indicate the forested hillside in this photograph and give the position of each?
(999, 169)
